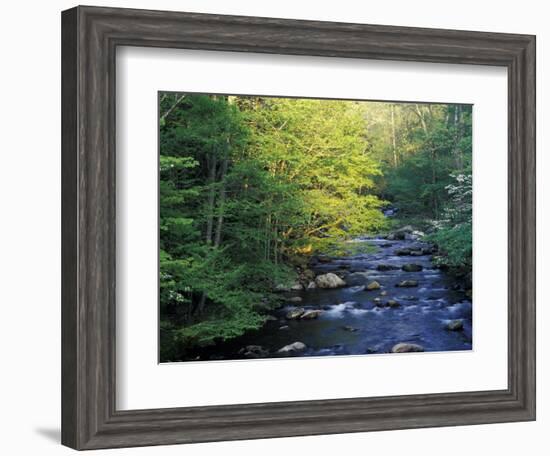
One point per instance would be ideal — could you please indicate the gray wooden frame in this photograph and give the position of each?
(90, 36)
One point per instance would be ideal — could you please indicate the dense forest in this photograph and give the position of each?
(251, 188)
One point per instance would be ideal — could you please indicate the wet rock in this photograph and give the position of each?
(311, 286)
(402, 252)
(386, 267)
(284, 327)
(378, 302)
(405, 347)
(385, 245)
(392, 303)
(411, 267)
(254, 351)
(408, 298)
(297, 287)
(383, 293)
(292, 349)
(311, 314)
(455, 325)
(280, 288)
(374, 285)
(329, 280)
(294, 314)
(295, 299)
(416, 253)
(308, 275)
(405, 229)
(350, 328)
(324, 259)
(407, 283)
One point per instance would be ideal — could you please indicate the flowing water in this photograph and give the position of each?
(352, 323)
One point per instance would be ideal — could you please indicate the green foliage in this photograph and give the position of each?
(453, 232)
(251, 186)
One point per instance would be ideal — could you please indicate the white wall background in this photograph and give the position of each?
(30, 227)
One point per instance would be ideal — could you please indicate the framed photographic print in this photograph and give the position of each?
(280, 228)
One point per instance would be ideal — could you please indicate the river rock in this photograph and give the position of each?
(392, 303)
(383, 293)
(308, 275)
(407, 283)
(324, 259)
(294, 314)
(311, 314)
(405, 347)
(378, 302)
(386, 267)
(455, 325)
(254, 351)
(402, 252)
(297, 287)
(295, 299)
(350, 328)
(385, 245)
(292, 349)
(374, 285)
(280, 288)
(408, 298)
(284, 327)
(416, 253)
(311, 286)
(411, 267)
(329, 280)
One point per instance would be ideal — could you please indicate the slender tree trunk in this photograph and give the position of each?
(422, 119)
(221, 202)
(211, 197)
(392, 108)
(171, 109)
(458, 137)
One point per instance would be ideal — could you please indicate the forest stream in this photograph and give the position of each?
(430, 309)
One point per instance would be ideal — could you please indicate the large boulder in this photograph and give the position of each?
(411, 267)
(294, 314)
(329, 280)
(405, 347)
(311, 314)
(292, 349)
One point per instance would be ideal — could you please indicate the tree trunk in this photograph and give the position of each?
(392, 108)
(212, 164)
(221, 203)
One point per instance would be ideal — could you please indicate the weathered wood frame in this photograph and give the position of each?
(90, 36)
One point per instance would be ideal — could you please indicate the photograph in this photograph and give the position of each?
(297, 227)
